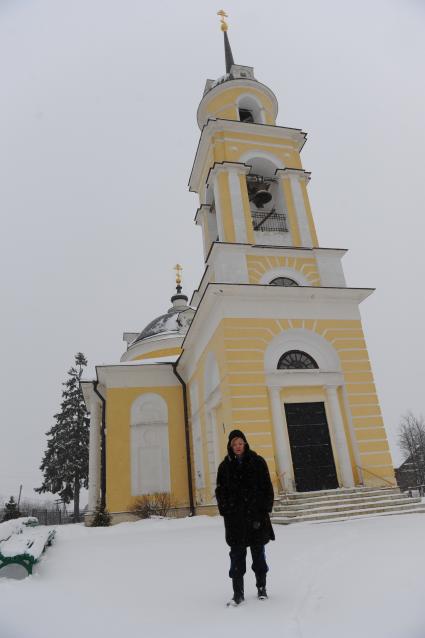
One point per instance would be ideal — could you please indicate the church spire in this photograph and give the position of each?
(228, 55)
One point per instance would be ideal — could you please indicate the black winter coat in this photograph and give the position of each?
(245, 497)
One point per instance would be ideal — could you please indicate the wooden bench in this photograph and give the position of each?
(22, 542)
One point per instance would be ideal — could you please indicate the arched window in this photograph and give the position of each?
(296, 360)
(250, 109)
(150, 456)
(283, 281)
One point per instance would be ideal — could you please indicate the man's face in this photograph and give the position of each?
(238, 446)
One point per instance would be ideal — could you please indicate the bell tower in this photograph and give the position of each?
(276, 346)
(247, 170)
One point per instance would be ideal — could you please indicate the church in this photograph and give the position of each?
(271, 341)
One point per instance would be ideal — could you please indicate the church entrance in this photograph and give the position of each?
(312, 456)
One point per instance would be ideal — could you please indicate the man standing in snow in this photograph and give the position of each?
(245, 498)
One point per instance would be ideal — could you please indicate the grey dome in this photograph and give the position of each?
(162, 324)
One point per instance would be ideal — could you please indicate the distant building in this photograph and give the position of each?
(271, 342)
(410, 474)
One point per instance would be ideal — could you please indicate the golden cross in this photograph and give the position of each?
(178, 270)
(223, 14)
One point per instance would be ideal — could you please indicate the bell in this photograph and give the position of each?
(262, 197)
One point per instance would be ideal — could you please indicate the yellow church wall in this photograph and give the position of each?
(239, 346)
(259, 265)
(215, 346)
(245, 341)
(163, 352)
(371, 433)
(224, 103)
(229, 146)
(118, 459)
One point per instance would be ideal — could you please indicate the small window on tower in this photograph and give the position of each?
(283, 281)
(245, 115)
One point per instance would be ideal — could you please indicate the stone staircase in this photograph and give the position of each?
(343, 503)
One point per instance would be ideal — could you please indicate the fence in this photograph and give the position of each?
(267, 221)
(47, 517)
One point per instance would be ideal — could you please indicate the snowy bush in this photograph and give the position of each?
(156, 504)
(102, 517)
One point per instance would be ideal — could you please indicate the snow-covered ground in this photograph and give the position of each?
(363, 577)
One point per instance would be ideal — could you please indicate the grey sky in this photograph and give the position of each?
(98, 132)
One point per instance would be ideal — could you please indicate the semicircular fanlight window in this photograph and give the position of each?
(296, 360)
(283, 281)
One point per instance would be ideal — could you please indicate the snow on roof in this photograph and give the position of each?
(171, 358)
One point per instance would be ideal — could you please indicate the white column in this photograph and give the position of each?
(94, 453)
(283, 450)
(340, 438)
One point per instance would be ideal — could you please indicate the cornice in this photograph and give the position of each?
(299, 173)
(151, 344)
(215, 125)
(212, 305)
(220, 167)
(138, 374)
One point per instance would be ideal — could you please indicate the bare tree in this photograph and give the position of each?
(411, 440)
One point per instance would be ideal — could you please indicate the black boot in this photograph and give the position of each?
(238, 592)
(261, 588)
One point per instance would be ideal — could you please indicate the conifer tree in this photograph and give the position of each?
(102, 517)
(66, 460)
(11, 510)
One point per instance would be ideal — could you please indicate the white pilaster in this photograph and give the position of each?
(237, 207)
(283, 450)
(94, 453)
(340, 438)
(218, 212)
(305, 235)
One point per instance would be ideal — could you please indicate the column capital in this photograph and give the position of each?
(227, 167)
(299, 173)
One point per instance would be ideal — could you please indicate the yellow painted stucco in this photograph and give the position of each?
(118, 460)
(259, 265)
(162, 352)
(223, 104)
(239, 345)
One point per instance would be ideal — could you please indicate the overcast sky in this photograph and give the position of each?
(98, 132)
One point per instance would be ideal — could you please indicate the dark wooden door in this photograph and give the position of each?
(312, 456)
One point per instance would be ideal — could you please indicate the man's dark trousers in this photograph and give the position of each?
(238, 562)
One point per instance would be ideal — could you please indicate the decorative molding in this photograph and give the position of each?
(308, 341)
(299, 173)
(215, 125)
(140, 374)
